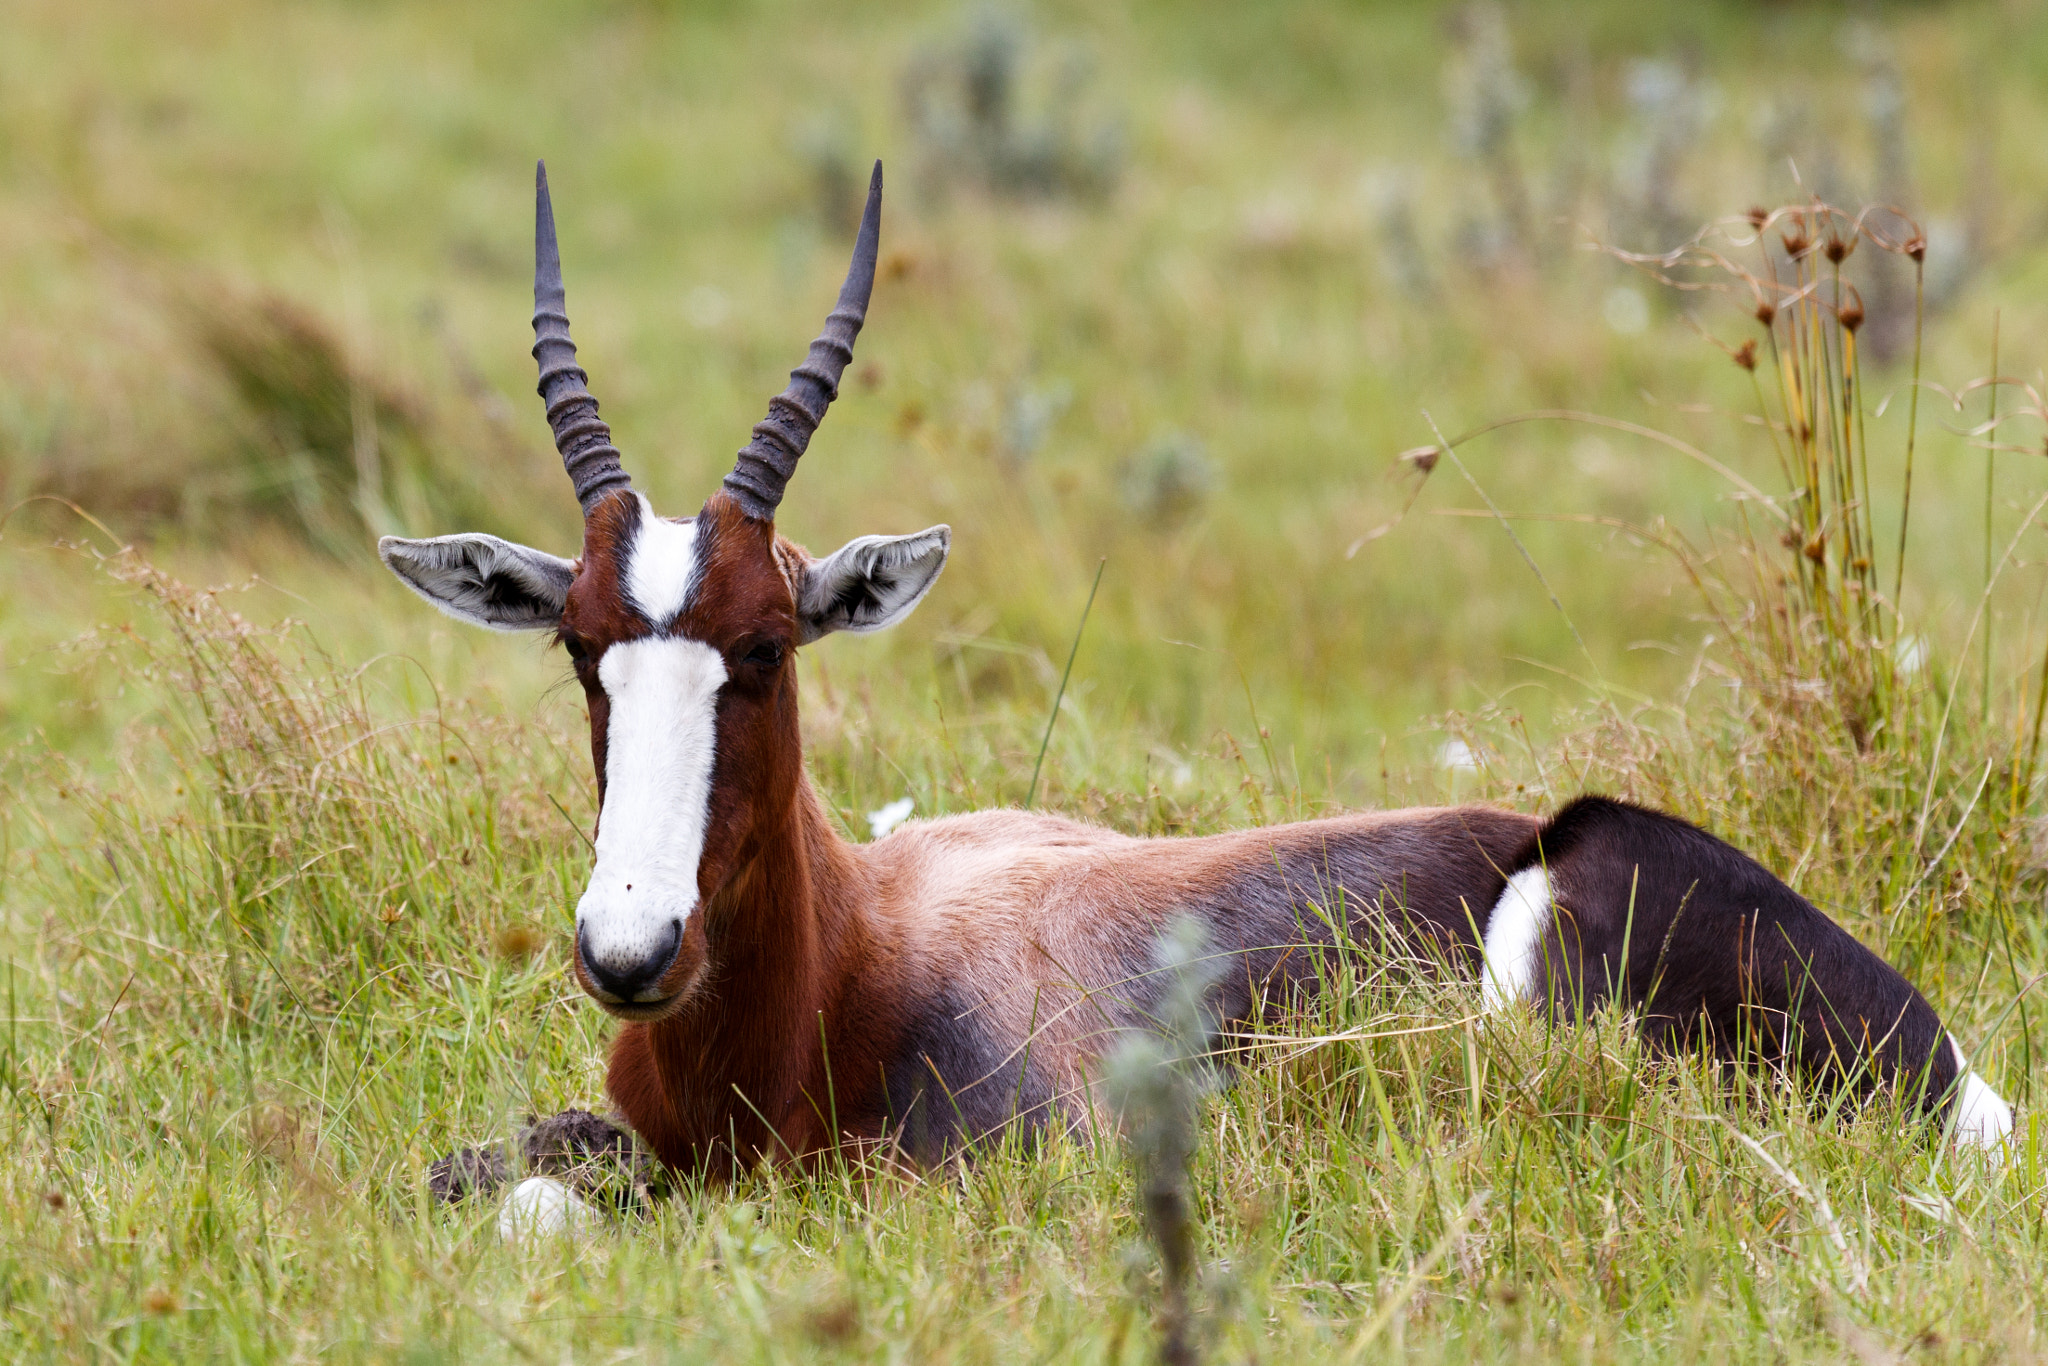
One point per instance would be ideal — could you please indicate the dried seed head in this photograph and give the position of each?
(1758, 216)
(1839, 247)
(518, 941)
(1916, 246)
(1816, 550)
(836, 1324)
(1766, 312)
(1424, 458)
(276, 1130)
(1745, 354)
(1850, 315)
(1795, 239)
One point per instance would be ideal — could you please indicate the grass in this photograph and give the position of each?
(286, 864)
(324, 948)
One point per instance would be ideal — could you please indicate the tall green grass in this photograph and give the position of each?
(323, 948)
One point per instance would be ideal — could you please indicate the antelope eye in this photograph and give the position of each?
(577, 654)
(766, 655)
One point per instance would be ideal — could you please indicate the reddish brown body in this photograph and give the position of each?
(932, 988)
(787, 992)
(963, 973)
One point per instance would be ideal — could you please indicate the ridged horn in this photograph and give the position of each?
(582, 437)
(765, 464)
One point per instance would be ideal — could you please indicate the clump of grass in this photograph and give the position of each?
(1166, 482)
(1156, 1081)
(317, 835)
(971, 107)
(161, 395)
(325, 428)
(1827, 614)
(1842, 746)
(335, 447)
(1488, 98)
(271, 832)
(259, 987)
(827, 146)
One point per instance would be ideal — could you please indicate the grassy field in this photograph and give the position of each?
(286, 860)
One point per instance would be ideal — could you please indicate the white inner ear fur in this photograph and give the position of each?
(663, 571)
(870, 582)
(483, 580)
(660, 744)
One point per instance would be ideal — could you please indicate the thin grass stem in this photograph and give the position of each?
(1990, 494)
(1912, 431)
(1031, 793)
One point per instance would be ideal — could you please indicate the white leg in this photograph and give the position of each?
(1513, 943)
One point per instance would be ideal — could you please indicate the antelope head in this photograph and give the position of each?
(682, 632)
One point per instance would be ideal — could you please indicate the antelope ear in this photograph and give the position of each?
(870, 582)
(483, 580)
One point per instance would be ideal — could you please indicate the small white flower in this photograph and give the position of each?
(1911, 654)
(542, 1208)
(1626, 310)
(889, 817)
(1458, 756)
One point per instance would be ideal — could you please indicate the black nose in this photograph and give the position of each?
(624, 981)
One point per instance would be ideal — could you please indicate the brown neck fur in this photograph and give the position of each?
(738, 1076)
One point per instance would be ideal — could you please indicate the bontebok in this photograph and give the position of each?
(786, 993)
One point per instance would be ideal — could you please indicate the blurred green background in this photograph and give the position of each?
(1166, 284)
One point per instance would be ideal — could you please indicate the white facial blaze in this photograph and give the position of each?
(660, 743)
(661, 576)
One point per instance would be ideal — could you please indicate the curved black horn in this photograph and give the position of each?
(765, 464)
(580, 434)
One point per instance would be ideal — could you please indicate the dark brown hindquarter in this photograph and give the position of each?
(1006, 1029)
(1416, 884)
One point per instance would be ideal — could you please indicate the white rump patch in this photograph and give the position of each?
(659, 747)
(1983, 1119)
(662, 572)
(1513, 942)
(540, 1207)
